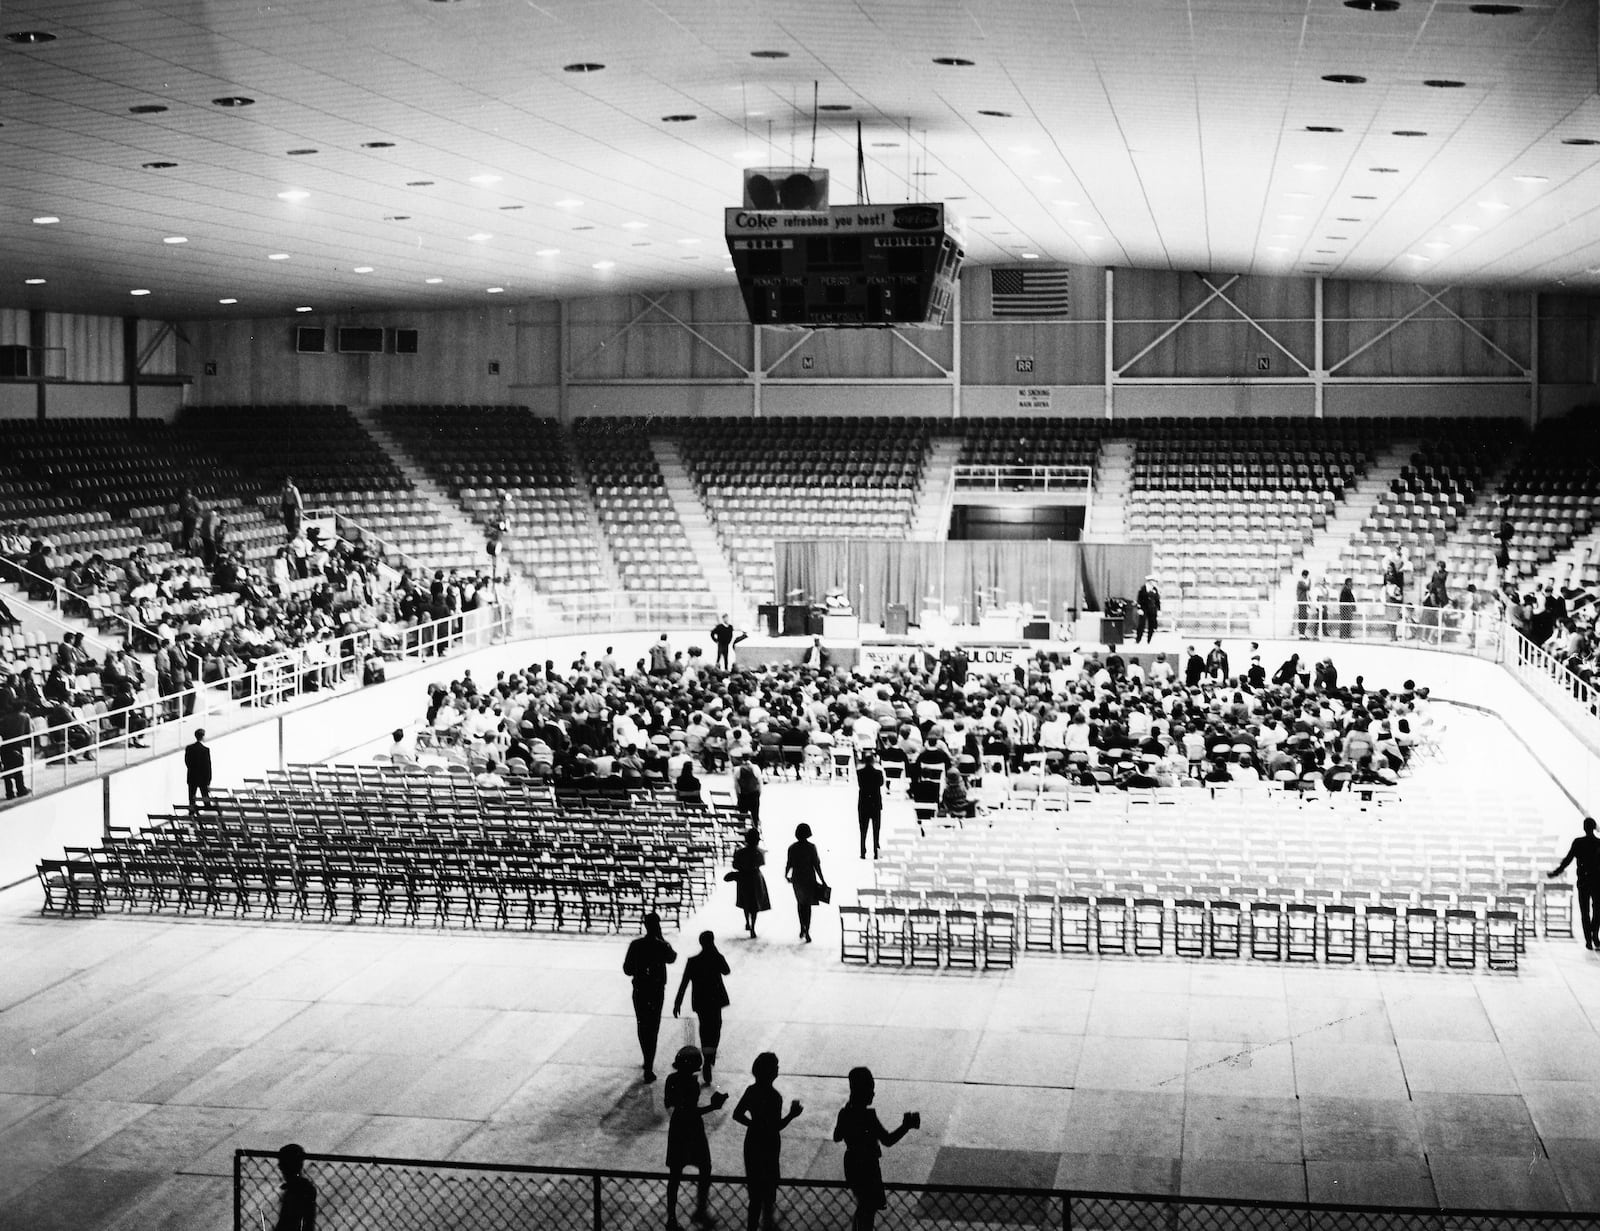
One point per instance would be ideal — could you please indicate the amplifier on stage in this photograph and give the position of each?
(767, 617)
(1036, 630)
(796, 620)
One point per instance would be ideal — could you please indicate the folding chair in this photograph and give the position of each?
(1189, 919)
(925, 936)
(961, 938)
(1381, 926)
(1266, 931)
(1110, 924)
(1227, 928)
(1077, 915)
(1149, 926)
(1503, 939)
(1461, 938)
(889, 936)
(999, 939)
(1039, 922)
(1422, 936)
(1558, 897)
(1300, 931)
(1339, 932)
(855, 934)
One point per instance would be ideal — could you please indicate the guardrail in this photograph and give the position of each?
(58, 596)
(162, 724)
(1550, 678)
(419, 1195)
(626, 611)
(1023, 478)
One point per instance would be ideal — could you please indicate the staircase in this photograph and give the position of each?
(609, 573)
(1113, 479)
(931, 518)
(1329, 543)
(469, 537)
(51, 624)
(697, 528)
(1575, 565)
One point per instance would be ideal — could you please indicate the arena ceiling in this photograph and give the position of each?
(416, 153)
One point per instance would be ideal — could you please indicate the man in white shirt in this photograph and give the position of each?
(864, 730)
(1053, 731)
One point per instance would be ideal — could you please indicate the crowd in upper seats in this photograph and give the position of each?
(1096, 717)
(1562, 621)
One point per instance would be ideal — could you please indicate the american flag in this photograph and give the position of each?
(1029, 293)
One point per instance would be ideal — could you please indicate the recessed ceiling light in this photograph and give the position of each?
(232, 100)
(1362, 197)
(728, 269)
(1580, 141)
(1024, 151)
(1043, 179)
(1322, 128)
(1071, 222)
(688, 240)
(1030, 256)
(1531, 179)
(305, 309)
(299, 153)
(140, 291)
(486, 178)
(1283, 237)
(1443, 83)
(277, 256)
(923, 174)
(45, 220)
(1464, 228)
(433, 281)
(1062, 202)
(690, 256)
(176, 239)
(1291, 217)
(397, 217)
(227, 301)
(833, 106)
(1094, 238)
(146, 109)
(1298, 196)
(509, 208)
(678, 117)
(1417, 256)
(294, 194)
(1373, 6)
(1326, 251)
(1344, 79)
(568, 203)
(361, 269)
(26, 37)
(1309, 166)
(770, 55)
(1337, 238)
(999, 115)
(1436, 245)
(33, 281)
(582, 66)
(604, 264)
(419, 183)
(641, 243)
(494, 290)
(1493, 206)
(953, 62)
(377, 145)
(585, 227)
(1342, 219)
(1408, 132)
(548, 252)
(158, 166)
(885, 145)
(1494, 10)
(634, 225)
(1276, 248)
(479, 237)
(1384, 170)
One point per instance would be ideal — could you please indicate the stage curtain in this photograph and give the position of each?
(1111, 570)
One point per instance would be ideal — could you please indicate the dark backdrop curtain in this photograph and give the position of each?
(1051, 577)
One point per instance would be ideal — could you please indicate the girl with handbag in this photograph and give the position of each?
(804, 871)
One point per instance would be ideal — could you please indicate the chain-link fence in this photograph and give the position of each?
(413, 1195)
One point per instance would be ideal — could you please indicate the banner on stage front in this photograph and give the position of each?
(996, 659)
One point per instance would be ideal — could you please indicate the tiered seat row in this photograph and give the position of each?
(322, 447)
(1019, 441)
(636, 514)
(398, 849)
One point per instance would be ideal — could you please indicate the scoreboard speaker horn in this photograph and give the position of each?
(797, 188)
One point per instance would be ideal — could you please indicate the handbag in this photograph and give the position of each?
(730, 876)
(824, 894)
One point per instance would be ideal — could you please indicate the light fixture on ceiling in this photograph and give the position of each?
(1030, 256)
(690, 256)
(377, 145)
(885, 145)
(1291, 217)
(997, 115)
(33, 282)
(1408, 132)
(678, 117)
(509, 208)
(688, 239)
(305, 308)
(1298, 196)
(1494, 207)
(634, 225)
(478, 237)
(568, 203)
(158, 166)
(494, 290)
(1344, 78)
(1373, 6)
(585, 227)
(45, 220)
(1531, 179)
(277, 256)
(1494, 10)
(1384, 170)
(1436, 245)
(433, 281)
(1325, 251)
(1417, 256)
(604, 264)
(640, 243)
(227, 301)
(1359, 196)
(1443, 83)
(582, 66)
(1322, 128)
(833, 107)
(953, 62)
(294, 194)
(1062, 202)
(30, 38)
(1580, 141)
(728, 269)
(485, 179)
(361, 269)
(139, 291)
(146, 109)
(175, 239)
(1464, 228)
(770, 55)
(419, 183)
(300, 153)
(397, 217)
(1048, 179)
(929, 175)
(233, 100)
(1343, 219)
(1309, 167)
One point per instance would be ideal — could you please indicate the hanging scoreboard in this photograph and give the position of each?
(849, 266)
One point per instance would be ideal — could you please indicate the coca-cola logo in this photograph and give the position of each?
(916, 217)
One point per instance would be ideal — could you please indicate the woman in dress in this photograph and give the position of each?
(760, 1110)
(686, 1134)
(749, 884)
(864, 1138)
(804, 871)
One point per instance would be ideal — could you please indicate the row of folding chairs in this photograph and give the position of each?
(925, 937)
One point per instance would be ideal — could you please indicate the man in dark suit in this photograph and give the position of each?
(1585, 851)
(197, 763)
(1217, 662)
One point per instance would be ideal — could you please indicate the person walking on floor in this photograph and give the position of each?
(749, 884)
(864, 1138)
(703, 973)
(197, 769)
(686, 1133)
(747, 791)
(869, 801)
(646, 964)
(803, 870)
(760, 1110)
(297, 1202)
(1585, 851)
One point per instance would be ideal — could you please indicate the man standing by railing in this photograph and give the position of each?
(1586, 852)
(14, 729)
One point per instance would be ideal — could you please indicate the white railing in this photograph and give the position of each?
(56, 756)
(343, 523)
(1023, 478)
(60, 597)
(618, 611)
(1549, 678)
